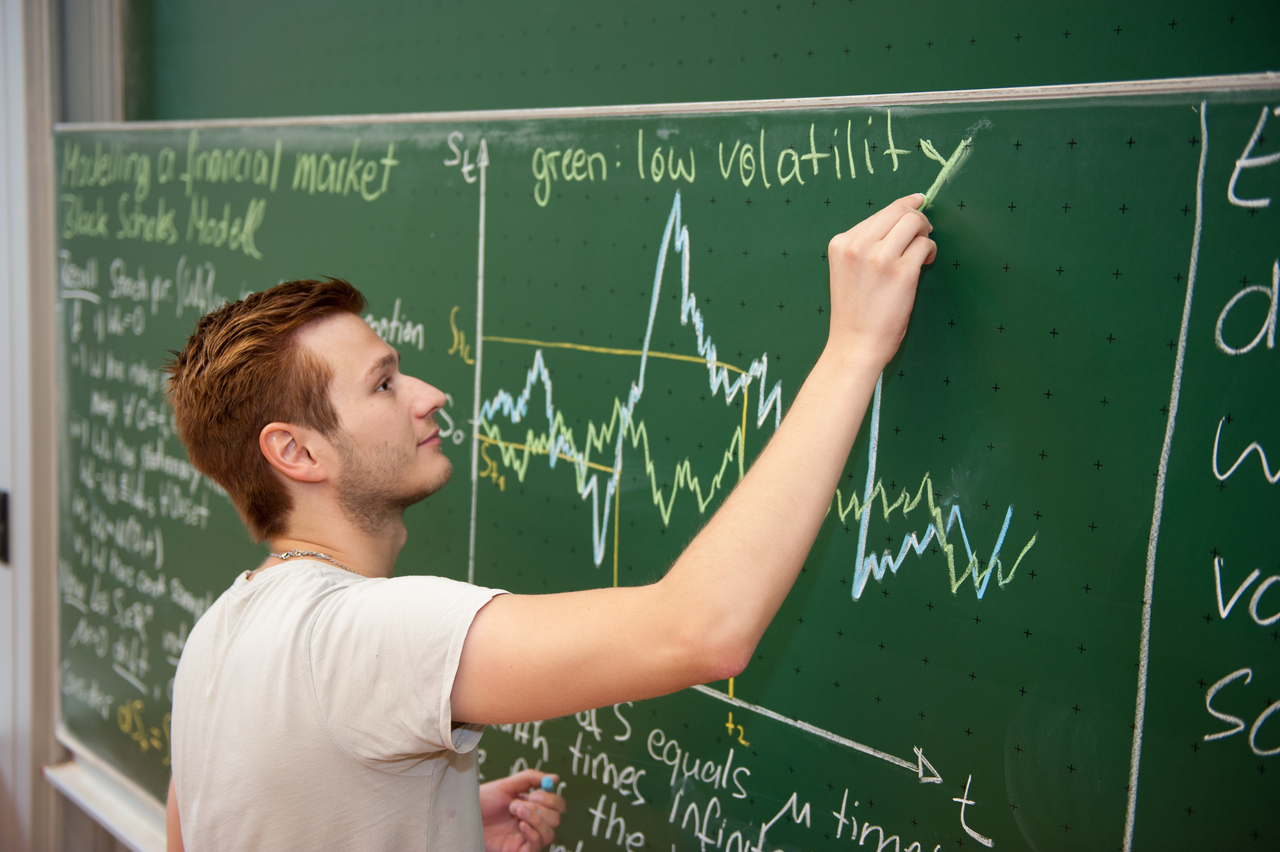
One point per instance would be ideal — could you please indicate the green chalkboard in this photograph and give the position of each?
(1054, 624)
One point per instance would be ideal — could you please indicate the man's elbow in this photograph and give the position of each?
(706, 642)
(729, 662)
(712, 655)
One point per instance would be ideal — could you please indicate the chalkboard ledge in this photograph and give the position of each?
(1257, 81)
(118, 804)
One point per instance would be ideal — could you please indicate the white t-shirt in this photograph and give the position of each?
(311, 711)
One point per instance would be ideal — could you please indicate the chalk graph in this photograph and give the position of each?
(868, 566)
(510, 422)
(558, 442)
(607, 439)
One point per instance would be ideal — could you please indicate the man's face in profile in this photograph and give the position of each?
(388, 443)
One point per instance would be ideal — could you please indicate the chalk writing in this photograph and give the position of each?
(851, 822)
(949, 166)
(231, 165)
(1246, 161)
(137, 224)
(718, 774)
(86, 691)
(462, 158)
(747, 160)
(447, 428)
(667, 166)
(1237, 723)
(964, 801)
(104, 167)
(130, 717)
(575, 164)
(237, 233)
(138, 289)
(460, 346)
(741, 731)
(599, 767)
(343, 175)
(1253, 447)
(1224, 609)
(195, 287)
(1268, 328)
(80, 221)
(111, 576)
(614, 823)
(397, 330)
(77, 282)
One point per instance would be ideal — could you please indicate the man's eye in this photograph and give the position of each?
(385, 384)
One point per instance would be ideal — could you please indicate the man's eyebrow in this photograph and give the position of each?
(391, 359)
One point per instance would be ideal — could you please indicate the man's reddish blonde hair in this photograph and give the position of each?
(242, 369)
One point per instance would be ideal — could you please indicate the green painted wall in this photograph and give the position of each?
(240, 58)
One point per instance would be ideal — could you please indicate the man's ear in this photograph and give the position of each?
(289, 449)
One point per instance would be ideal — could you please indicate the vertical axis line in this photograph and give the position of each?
(617, 510)
(1144, 649)
(742, 458)
(475, 409)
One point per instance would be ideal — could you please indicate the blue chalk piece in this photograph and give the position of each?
(548, 783)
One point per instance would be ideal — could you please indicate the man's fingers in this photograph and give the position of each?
(538, 814)
(524, 780)
(532, 837)
(541, 822)
(912, 224)
(887, 232)
(546, 799)
(921, 251)
(541, 816)
(548, 817)
(882, 221)
(911, 202)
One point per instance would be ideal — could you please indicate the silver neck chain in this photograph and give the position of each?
(290, 554)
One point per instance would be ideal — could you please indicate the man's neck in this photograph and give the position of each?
(365, 553)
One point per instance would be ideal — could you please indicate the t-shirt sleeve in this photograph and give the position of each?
(384, 653)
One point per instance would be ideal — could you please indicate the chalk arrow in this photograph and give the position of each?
(921, 763)
(918, 766)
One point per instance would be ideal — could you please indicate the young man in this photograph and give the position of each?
(321, 704)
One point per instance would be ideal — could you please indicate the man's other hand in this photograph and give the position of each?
(515, 819)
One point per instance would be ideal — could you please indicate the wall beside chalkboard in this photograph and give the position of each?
(242, 58)
(986, 645)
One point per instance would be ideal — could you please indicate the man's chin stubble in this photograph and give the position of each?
(375, 512)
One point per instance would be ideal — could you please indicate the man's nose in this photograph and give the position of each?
(428, 399)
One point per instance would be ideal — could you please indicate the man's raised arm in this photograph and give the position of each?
(532, 657)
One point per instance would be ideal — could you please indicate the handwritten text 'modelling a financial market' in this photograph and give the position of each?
(350, 174)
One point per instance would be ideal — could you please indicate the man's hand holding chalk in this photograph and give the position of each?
(520, 813)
